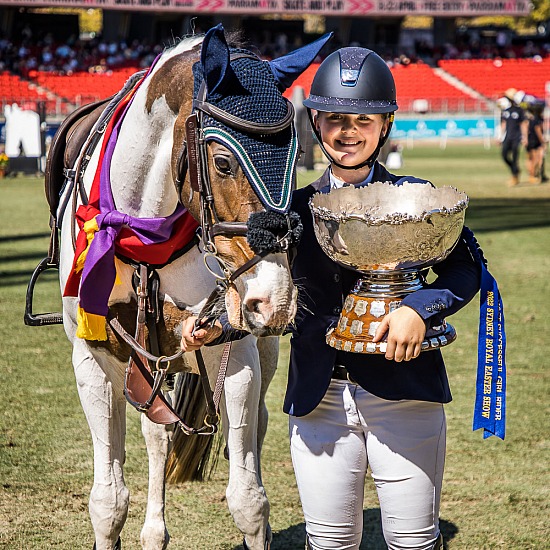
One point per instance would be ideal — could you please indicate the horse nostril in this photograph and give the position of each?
(253, 306)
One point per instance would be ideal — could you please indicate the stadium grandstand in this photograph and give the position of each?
(443, 64)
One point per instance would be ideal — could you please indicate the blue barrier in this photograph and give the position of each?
(443, 128)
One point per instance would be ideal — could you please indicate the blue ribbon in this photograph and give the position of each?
(490, 403)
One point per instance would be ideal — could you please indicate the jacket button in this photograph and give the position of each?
(336, 277)
(336, 310)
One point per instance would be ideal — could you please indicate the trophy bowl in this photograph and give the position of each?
(390, 234)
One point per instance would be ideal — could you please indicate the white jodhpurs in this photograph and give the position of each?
(404, 444)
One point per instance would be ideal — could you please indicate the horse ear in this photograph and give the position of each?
(289, 67)
(215, 59)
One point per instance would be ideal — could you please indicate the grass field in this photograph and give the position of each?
(495, 494)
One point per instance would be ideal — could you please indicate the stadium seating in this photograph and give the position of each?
(413, 81)
(417, 80)
(25, 94)
(83, 87)
(491, 77)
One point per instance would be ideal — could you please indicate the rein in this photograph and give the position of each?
(143, 382)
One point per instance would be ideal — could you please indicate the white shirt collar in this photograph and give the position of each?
(336, 182)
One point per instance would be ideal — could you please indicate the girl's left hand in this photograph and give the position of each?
(193, 338)
(405, 331)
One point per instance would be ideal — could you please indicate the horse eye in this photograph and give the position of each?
(222, 165)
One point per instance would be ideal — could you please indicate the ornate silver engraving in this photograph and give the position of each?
(383, 226)
(356, 327)
(361, 307)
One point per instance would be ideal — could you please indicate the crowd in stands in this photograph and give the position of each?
(471, 47)
(26, 54)
(73, 55)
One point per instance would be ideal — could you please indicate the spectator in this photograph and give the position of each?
(536, 145)
(513, 132)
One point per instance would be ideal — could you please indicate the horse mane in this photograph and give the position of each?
(235, 39)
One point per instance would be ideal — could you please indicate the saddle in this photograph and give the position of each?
(64, 152)
(66, 145)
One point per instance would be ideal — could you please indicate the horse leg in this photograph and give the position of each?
(101, 393)
(245, 493)
(154, 535)
(268, 349)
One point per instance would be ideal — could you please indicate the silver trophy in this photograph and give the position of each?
(391, 234)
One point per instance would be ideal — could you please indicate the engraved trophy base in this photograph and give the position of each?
(376, 294)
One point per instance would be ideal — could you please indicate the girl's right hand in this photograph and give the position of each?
(404, 330)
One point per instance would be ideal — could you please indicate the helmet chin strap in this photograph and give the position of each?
(369, 162)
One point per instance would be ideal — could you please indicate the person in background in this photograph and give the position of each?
(535, 146)
(513, 133)
(348, 411)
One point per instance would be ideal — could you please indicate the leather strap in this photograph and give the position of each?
(143, 385)
(191, 131)
(339, 372)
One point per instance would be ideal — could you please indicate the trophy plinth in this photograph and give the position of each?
(390, 234)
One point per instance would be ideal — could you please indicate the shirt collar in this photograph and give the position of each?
(335, 182)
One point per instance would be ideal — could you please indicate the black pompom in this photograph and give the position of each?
(266, 228)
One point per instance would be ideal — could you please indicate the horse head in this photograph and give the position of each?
(233, 157)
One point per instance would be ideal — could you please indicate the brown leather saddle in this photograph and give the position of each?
(65, 149)
(66, 146)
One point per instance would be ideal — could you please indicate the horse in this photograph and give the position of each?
(201, 144)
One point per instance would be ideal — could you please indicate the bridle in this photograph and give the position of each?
(193, 161)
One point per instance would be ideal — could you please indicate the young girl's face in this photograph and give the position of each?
(350, 139)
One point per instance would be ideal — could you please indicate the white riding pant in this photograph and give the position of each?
(404, 444)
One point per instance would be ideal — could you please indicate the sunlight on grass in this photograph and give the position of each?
(495, 494)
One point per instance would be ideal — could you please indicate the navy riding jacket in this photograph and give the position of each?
(324, 285)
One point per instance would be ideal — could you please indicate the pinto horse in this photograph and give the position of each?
(205, 135)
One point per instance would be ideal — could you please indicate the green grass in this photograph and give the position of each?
(495, 494)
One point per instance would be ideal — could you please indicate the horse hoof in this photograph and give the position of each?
(117, 546)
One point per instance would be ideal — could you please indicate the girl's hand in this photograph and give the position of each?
(192, 340)
(405, 331)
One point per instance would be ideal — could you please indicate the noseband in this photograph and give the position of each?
(285, 229)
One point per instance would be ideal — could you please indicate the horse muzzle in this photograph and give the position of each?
(262, 313)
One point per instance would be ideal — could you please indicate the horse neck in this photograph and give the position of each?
(141, 176)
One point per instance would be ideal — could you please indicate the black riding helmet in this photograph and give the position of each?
(353, 81)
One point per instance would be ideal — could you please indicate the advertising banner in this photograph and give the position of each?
(444, 128)
(451, 8)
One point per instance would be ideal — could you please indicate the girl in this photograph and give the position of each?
(348, 411)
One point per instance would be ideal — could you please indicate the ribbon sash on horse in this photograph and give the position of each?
(104, 230)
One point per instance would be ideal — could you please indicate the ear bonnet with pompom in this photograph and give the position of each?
(249, 88)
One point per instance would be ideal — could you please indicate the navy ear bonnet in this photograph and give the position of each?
(250, 92)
